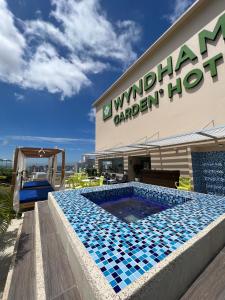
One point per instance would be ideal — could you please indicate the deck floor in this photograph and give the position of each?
(210, 285)
(60, 282)
(23, 278)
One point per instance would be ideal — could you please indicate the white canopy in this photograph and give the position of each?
(214, 133)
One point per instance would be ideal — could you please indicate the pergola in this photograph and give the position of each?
(215, 134)
(21, 154)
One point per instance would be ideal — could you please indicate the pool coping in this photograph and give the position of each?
(153, 283)
(169, 264)
(94, 285)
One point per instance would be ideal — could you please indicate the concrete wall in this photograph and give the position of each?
(187, 112)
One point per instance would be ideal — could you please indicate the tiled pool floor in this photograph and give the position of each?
(131, 209)
(124, 251)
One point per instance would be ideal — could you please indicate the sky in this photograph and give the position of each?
(58, 56)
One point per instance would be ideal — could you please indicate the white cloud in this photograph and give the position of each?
(179, 8)
(92, 114)
(85, 26)
(5, 142)
(45, 31)
(62, 140)
(48, 70)
(12, 46)
(32, 59)
(19, 97)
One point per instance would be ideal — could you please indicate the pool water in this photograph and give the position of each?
(131, 209)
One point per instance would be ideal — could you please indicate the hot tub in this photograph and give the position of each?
(155, 256)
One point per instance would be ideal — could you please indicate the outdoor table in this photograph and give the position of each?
(86, 180)
(111, 181)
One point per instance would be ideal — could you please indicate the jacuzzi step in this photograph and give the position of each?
(55, 279)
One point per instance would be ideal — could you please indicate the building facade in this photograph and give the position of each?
(176, 87)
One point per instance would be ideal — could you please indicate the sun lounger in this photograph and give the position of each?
(29, 197)
(36, 184)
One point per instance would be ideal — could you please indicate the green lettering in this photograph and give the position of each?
(206, 35)
(211, 63)
(193, 78)
(143, 104)
(135, 110)
(174, 89)
(138, 89)
(118, 103)
(122, 117)
(153, 100)
(116, 120)
(127, 94)
(149, 80)
(128, 113)
(168, 69)
(185, 54)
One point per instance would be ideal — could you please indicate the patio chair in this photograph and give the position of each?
(184, 184)
(122, 178)
(97, 182)
(69, 182)
(74, 182)
(101, 180)
(79, 186)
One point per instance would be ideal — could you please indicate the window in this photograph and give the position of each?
(113, 165)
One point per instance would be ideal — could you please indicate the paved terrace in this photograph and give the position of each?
(59, 281)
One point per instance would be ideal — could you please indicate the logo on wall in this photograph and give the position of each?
(149, 89)
(107, 110)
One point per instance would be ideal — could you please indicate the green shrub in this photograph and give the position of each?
(6, 175)
(6, 207)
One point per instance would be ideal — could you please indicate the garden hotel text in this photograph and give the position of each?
(188, 82)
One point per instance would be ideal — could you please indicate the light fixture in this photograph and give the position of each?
(41, 152)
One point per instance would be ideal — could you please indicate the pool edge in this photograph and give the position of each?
(91, 282)
(169, 279)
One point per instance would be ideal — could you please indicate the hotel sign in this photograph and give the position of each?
(107, 110)
(145, 88)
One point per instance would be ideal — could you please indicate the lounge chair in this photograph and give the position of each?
(28, 197)
(36, 184)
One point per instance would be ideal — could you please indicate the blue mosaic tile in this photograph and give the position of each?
(124, 252)
(208, 172)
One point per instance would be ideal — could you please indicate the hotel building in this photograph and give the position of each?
(167, 111)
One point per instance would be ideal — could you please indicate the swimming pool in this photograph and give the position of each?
(129, 206)
(132, 209)
(132, 259)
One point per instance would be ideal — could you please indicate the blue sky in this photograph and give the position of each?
(58, 56)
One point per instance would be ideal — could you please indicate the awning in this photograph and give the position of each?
(215, 133)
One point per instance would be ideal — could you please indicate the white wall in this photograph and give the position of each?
(187, 112)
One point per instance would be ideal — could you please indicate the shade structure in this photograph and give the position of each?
(40, 152)
(214, 133)
(20, 156)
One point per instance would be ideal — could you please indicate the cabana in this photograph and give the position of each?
(27, 193)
